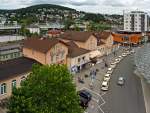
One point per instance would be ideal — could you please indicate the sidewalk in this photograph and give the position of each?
(146, 94)
(100, 74)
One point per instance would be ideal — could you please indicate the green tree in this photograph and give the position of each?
(25, 32)
(48, 89)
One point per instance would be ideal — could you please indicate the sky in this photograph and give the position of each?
(94, 6)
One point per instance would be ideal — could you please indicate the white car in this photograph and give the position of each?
(127, 52)
(117, 60)
(121, 81)
(105, 86)
(132, 51)
(110, 72)
(107, 77)
(109, 69)
(124, 54)
(113, 65)
(120, 57)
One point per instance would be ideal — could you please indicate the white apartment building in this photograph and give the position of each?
(136, 21)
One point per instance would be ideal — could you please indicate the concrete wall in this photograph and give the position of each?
(46, 58)
(58, 49)
(33, 54)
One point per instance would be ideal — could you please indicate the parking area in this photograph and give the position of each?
(95, 105)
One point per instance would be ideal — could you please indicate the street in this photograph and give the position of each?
(128, 98)
(119, 99)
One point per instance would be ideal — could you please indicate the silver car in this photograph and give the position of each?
(121, 81)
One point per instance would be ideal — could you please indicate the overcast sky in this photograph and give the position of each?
(95, 6)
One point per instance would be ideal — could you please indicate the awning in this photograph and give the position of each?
(94, 54)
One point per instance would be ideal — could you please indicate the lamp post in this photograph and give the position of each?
(92, 74)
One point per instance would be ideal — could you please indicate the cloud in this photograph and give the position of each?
(98, 6)
(119, 3)
(83, 2)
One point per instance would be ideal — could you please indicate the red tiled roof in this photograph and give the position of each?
(74, 50)
(76, 36)
(41, 44)
(54, 32)
(102, 35)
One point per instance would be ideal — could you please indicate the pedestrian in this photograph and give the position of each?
(95, 73)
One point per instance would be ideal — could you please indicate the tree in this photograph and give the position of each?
(25, 32)
(48, 89)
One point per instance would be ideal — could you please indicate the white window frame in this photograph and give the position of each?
(3, 89)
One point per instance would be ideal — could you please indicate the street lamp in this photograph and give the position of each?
(92, 74)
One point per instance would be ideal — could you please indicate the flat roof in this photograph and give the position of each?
(11, 46)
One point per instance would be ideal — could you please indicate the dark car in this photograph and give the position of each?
(85, 94)
(85, 97)
(84, 102)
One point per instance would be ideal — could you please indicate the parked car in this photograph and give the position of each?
(109, 71)
(121, 81)
(120, 57)
(85, 97)
(117, 60)
(106, 77)
(124, 54)
(112, 65)
(83, 102)
(85, 94)
(105, 86)
(127, 52)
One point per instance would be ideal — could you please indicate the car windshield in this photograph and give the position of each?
(83, 95)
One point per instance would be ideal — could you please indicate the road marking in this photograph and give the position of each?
(103, 101)
(95, 100)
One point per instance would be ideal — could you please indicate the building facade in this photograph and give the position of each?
(105, 42)
(77, 57)
(34, 29)
(12, 73)
(136, 21)
(86, 40)
(46, 51)
(127, 39)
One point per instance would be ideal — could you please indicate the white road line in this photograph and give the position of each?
(95, 100)
(103, 101)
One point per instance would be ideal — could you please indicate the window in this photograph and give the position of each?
(13, 84)
(83, 58)
(78, 59)
(3, 88)
(23, 78)
(15, 55)
(18, 54)
(11, 55)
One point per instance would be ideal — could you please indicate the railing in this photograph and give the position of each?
(10, 26)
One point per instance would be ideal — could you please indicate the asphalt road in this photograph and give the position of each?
(128, 98)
